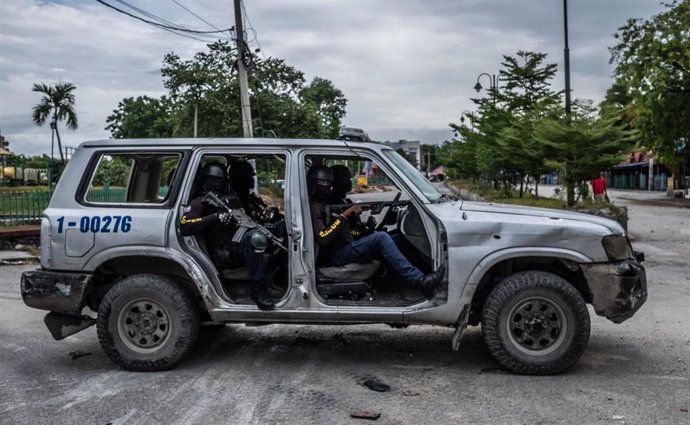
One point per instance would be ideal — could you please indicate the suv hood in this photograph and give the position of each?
(489, 227)
(612, 225)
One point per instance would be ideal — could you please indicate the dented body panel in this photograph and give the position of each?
(59, 292)
(618, 289)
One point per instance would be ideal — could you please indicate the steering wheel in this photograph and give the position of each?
(389, 206)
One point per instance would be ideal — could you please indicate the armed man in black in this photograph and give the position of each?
(338, 247)
(342, 185)
(229, 245)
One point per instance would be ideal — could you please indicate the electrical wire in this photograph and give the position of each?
(157, 24)
(194, 14)
(249, 26)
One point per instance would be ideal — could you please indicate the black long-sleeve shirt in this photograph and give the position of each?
(201, 219)
(331, 233)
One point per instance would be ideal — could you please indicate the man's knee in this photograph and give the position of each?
(382, 239)
(256, 242)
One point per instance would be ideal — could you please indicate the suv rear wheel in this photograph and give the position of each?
(147, 322)
(536, 323)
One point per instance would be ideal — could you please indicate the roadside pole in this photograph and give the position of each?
(242, 69)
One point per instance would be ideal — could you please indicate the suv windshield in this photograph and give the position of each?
(429, 191)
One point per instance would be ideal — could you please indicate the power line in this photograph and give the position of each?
(158, 24)
(250, 26)
(199, 17)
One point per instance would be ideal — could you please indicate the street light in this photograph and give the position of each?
(493, 84)
(469, 115)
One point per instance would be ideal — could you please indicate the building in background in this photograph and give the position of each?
(638, 172)
(412, 149)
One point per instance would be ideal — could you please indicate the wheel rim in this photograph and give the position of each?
(143, 325)
(536, 325)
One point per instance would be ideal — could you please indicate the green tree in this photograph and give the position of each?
(282, 103)
(584, 144)
(501, 138)
(329, 102)
(143, 117)
(653, 69)
(57, 104)
(528, 99)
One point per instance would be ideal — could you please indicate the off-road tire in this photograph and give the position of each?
(535, 323)
(147, 322)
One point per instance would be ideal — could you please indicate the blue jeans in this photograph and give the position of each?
(253, 259)
(376, 245)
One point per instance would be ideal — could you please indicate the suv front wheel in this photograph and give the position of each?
(147, 322)
(535, 323)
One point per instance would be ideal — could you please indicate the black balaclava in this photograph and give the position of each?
(241, 176)
(342, 181)
(215, 178)
(320, 192)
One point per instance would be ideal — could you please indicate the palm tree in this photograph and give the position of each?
(58, 103)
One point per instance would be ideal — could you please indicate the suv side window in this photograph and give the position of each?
(127, 178)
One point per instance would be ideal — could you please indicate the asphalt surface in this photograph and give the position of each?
(632, 373)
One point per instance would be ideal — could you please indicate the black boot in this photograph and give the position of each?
(429, 283)
(259, 295)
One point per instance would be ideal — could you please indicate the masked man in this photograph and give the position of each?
(337, 245)
(229, 245)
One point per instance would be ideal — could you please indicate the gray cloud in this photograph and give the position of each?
(406, 66)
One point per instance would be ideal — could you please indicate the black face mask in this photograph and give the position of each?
(321, 192)
(215, 185)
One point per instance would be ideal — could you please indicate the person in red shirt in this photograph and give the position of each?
(599, 188)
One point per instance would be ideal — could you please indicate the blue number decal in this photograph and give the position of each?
(126, 224)
(95, 224)
(84, 224)
(106, 224)
(98, 224)
(117, 223)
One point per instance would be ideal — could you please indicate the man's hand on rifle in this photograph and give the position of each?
(354, 209)
(224, 217)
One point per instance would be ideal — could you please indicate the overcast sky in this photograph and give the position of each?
(407, 67)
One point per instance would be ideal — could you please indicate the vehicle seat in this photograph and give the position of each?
(239, 273)
(352, 280)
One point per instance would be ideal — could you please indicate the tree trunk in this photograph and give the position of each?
(570, 193)
(522, 185)
(57, 133)
(536, 187)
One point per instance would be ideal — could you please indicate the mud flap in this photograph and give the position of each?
(460, 327)
(61, 325)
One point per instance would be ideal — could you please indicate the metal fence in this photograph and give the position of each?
(21, 207)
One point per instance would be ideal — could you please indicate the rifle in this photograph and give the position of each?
(242, 219)
(374, 207)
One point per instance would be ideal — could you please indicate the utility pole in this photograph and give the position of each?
(566, 61)
(242, 69)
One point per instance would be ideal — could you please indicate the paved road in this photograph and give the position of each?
(633, 373)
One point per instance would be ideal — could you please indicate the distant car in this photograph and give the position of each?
(354, 134)
(525, 274)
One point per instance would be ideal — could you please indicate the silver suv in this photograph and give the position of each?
(111, 247)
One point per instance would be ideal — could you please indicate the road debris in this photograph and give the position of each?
(77, 354)
(364, 414)
(618, 417)
(375, 384)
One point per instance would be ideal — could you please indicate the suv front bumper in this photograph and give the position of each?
(618, 289)
(59, 292)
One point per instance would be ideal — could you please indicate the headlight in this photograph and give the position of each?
(617, 247)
